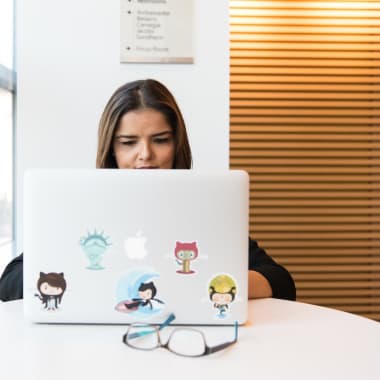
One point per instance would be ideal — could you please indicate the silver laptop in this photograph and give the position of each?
(123, 246)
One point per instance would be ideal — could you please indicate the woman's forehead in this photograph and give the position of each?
(143, 121)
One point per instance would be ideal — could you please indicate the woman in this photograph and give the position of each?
(142, 128)
(142, 114)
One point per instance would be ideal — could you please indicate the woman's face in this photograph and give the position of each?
(144, 140)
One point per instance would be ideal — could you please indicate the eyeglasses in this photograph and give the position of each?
(182, 341)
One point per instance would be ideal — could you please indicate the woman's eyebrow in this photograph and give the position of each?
(135, 136)
(125, 136)
(162, 133)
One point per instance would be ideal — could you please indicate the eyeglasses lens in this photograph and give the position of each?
(187, 342)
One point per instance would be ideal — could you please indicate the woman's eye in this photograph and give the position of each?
(162, 140)
(128, 142)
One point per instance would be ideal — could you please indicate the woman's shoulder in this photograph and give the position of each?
(11, 281)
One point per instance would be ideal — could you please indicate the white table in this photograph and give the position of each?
(283, 340)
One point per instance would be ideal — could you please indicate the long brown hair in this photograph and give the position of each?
(56, 280)
(132, 96)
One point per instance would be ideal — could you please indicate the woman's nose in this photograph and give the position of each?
(145, 152)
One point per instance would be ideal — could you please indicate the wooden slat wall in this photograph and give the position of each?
(305, 123)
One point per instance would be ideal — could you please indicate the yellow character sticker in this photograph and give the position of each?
(222, 291)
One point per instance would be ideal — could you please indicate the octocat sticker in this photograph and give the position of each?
(222, 290)
(184, 254)
(51, 287)
(137, 293)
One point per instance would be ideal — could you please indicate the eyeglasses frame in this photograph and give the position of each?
(156, 329)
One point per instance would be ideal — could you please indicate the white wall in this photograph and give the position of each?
(68, 66)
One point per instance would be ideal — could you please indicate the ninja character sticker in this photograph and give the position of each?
(222, 291)
(94, 245)
(51, 287)
(185, 253)
(137, 294)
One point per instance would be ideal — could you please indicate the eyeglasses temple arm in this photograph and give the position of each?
(222, 346)
(219, 347)
(169, 319)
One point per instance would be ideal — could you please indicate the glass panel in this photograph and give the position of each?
(6, 175)
(6, 33)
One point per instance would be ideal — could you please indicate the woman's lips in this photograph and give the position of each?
(147, 167)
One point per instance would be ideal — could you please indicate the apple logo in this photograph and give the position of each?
(135, 246)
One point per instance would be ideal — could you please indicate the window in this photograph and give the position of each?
(7, 90)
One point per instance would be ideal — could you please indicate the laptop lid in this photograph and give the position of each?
(120, 246)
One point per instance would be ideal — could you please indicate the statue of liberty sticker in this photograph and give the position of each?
(94, 246)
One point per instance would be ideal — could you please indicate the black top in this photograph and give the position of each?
(279, 278)
(11, 280)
